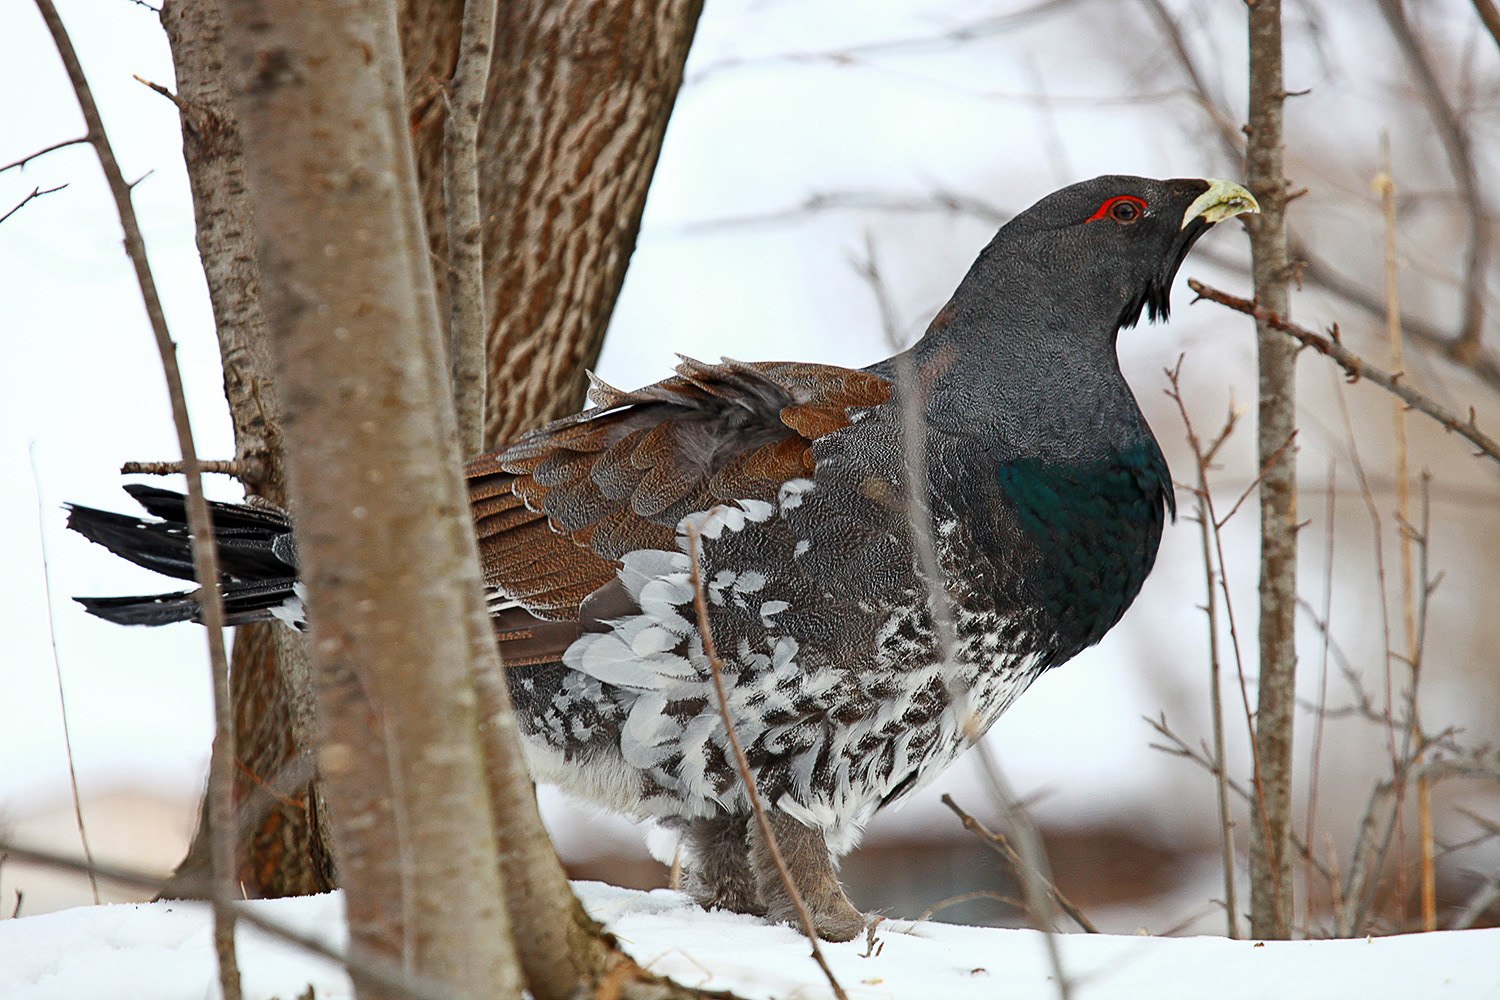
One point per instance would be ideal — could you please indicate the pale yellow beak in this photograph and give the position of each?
(1221, 201)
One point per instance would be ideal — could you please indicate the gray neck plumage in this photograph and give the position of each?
(1038, 377)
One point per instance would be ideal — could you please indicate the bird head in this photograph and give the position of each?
(1114, 244)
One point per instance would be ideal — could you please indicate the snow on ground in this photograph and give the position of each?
(163, 951)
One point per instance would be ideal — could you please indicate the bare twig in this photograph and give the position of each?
(1259, 478)
(1377, 825)
(1178, 747)
(1356, 367)
(467, 327)
(62, 699)
(969, 897)
(1225, 128)
(34, 194)
(940, 605)
(1351, 909)
(1208, 528)
(1036, 875)
(716, 666)
(939, 41)
(238, 468)
(940, 201)
(369, 966)
(1320, 716)
(44, 151)
(1320, 273)
(913, 432)
(1372, 509)
(157, 88)
(1315, 270)
(1455, 140)
(1486, 896)
(1385, 185)
(1415, 645)
(1490, 15)
(205, 553)
(1034, 880)
(1002, 846)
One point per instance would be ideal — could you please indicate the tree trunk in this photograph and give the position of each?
(626, 71)
(283, 852)
(579, 98)
(394, 577)
(1270, 858)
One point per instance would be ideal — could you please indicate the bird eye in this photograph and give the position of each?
(1122, 208)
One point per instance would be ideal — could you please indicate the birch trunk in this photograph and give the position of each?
(1270, 859)
(386, 549)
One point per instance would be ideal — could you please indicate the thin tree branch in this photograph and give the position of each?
(1001, 846)
(364, 965)
(940, 603)
(1319, 273)
(1490, 15)
(36, 193)
(940, 41)
(1230, 138)
(716, 666)
(238, 468)
(1486, 896)
(1385, 185)
(1455, 140)
(467, 325)
(1036, 875)
(205, 552)
(44, 151)
(1356, 367)
(1180, 748)
(1208, 530)
(62, 698)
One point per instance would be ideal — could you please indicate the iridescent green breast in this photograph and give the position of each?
(1095, 527)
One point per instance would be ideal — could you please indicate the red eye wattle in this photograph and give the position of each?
(1122, 208)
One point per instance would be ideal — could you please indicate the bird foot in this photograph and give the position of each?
(805, 853)
(833, 920)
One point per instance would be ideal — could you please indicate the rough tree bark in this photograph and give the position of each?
(355, 333)
(466, 322)
(579, 99)
(622, 70)
(559, 944)
(1270, 857)
(577, 105)
(283, 851)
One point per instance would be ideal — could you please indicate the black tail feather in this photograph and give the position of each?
(161, 609)
(257, 559)
(159, 546)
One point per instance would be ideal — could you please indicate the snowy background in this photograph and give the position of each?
(163, 951)
(805, 133)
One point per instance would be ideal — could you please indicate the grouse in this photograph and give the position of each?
(889, 556)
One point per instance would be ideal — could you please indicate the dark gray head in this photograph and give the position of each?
(1097, 253)
(1025, 349)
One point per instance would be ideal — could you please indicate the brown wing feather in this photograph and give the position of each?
(557, 509)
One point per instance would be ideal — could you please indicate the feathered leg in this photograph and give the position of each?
(806, 855)
(717, 873)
